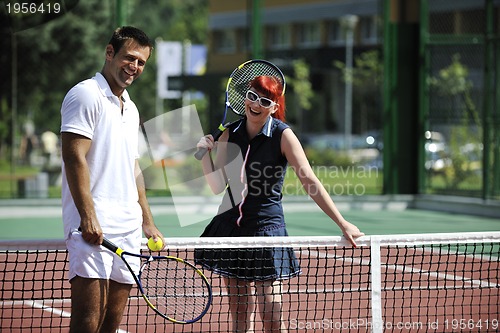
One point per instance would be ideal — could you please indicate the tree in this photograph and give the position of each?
(174, 20)
(54, 56)
(366, 78)
(50, 59)
(453, 85)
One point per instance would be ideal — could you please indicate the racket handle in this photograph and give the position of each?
(202, 151)
(106, 243)
(110, 246)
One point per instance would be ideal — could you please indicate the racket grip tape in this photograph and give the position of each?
(110, 246)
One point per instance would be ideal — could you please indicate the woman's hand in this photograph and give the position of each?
(351, 232)
(206, 142)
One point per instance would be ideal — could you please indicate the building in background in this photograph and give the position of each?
(313, 30)
(299, 29)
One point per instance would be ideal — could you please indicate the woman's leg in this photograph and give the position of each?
(241, 304)
(269, 302)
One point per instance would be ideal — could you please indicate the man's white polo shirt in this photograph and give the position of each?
(92, 110)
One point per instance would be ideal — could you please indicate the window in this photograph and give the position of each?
(368, 29)
(280, 37)
(335, 34)
(309, 34)
(225, 41)
(244, 40)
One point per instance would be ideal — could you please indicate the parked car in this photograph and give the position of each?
(360, 151)
(436, 152)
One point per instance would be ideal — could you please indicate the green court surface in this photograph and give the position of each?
(305, 219)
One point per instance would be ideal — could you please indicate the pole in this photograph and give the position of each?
(349, 22)
(256, 29)
(14, 114)
(121, 13)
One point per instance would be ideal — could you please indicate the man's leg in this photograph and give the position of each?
(88, 297)
(117, 300)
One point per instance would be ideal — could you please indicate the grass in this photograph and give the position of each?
(10, 178)
(350, 180)
(470, 186)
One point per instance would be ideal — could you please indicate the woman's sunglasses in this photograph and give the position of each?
(264, 102)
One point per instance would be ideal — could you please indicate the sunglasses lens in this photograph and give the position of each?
(265, 102)
(252, 96)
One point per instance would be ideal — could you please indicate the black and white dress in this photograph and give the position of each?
(258, 212)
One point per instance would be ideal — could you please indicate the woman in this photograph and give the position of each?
(267, 145)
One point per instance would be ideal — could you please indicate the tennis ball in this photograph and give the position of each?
(155, 246)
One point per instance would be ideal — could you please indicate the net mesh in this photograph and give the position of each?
(404, 283)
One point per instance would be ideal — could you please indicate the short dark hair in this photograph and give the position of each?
(122, 34)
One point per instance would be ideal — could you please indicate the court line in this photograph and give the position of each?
(42, 306)
(410, 269)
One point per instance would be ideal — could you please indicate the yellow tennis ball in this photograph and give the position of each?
(155, 246)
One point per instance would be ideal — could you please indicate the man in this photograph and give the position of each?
(103, 190)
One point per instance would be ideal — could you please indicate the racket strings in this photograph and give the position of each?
(175, 289)
(240, 82)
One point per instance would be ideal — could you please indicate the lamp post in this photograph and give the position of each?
(13, 121)
(348, 23)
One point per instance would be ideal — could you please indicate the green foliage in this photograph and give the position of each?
(338, 180)
(452, 80)
(301, 84)
(366, 77)
(453, 83)
(50, 59)
(174, 20)
(367, 72)
(55, 56)
(328, 157)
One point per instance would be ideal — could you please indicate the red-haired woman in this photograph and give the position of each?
(252, 205)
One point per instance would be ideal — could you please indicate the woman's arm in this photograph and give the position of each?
(292, 149)
(212, 171)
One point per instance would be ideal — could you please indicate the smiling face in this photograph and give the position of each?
(254, 110)
(122, 68)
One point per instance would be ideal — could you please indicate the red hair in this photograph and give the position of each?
(273, 89)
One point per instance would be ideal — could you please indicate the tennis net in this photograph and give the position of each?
(397, 283)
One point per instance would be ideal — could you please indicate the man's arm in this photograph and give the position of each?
(74, 150)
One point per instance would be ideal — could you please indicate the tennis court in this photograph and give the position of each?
(430, 272)
(41, 219)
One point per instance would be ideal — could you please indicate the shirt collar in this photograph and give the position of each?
(266, 130)
(106, 89)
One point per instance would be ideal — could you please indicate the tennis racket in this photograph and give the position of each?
(175, 289)
(237, 87)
